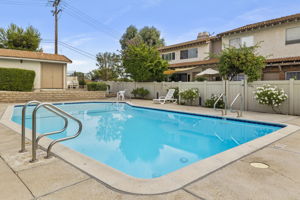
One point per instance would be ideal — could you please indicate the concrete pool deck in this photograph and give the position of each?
(238, 180)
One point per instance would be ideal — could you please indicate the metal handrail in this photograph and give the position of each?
(54, 132)
(239, 112)
(224, 111)
(23, 149)
(55, 110)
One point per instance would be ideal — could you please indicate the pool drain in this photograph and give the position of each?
(259, 165)
(183, 160)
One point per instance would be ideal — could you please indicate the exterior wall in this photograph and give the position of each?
(203, 51)
(216, 46)
(272, 41)
(279, 71)
(15, 97)
(29, 65)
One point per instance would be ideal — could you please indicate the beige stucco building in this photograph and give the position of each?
(279, 41)
(50, 69)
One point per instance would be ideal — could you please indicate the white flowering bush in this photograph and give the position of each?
(189, 95)
(271, 96)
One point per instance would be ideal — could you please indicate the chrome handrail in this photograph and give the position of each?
(54, 132)
(66, 138)
(239, 112)
(57, 111)
(23, 149)
(224, 111)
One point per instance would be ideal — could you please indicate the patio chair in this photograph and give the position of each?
(168, 98)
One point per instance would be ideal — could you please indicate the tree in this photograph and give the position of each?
(151, 36)
(234, 61)
(130, 33)
(15, 37)
(109, 67)
(148, 35)
(144, 63)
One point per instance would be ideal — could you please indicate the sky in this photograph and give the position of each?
(95, 26)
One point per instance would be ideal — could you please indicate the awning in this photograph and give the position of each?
(172, 71)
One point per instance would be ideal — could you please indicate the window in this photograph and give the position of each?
(292, 35)
(168, 56)
(238, 42)
(189, 53)
(294, 75)
(235, 42)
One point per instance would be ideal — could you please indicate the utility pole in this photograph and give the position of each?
(55, 12)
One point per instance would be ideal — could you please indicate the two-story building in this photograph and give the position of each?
(279, 41)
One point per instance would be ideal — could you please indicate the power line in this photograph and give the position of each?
(72, 48)
(74, 12)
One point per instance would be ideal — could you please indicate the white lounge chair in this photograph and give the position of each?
(168, 98)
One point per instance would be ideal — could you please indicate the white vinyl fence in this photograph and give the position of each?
(207, 88)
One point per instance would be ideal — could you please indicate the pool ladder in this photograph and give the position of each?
(224, 111)
(238, 112)
(35, 140)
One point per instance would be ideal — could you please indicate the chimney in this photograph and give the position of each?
(203, 35)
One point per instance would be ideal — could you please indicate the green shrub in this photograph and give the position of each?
(189, 95)
(140, 93)
(12, 79)
(211, 102)
(82, 82)
(200, 79)
(96, 86)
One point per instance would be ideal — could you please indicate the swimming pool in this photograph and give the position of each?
(146, 143)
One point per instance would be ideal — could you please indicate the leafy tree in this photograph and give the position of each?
(109, 67)
(144, 63)
(241, 60)
(148, 35)
(151, 36)
(130, 33)
(15, 37)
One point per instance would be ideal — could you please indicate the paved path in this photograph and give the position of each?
(54, 179)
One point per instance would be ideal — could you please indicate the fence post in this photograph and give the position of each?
(291, 97)
(205, 91)
(245, 94)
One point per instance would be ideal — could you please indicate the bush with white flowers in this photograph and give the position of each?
(271, 96)
(189, 95)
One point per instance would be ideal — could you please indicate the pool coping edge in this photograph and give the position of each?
(167, 183)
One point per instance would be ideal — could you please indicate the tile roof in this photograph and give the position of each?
(186, 44)
(263, 24)
(10, 53)
(189, 64)
(286, 59)
(216, 60)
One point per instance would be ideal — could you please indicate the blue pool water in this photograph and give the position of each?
(146, 143)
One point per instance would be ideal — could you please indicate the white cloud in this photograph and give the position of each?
(77, 40)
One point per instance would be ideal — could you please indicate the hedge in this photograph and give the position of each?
(96, 86)
(12, 79)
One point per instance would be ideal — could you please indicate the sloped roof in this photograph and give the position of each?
(188, 64)
(266, 23)
(10, 53)
(186, 44)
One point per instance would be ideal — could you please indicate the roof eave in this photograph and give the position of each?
(36, 60)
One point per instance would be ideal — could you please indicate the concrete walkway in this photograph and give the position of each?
(55, 179)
